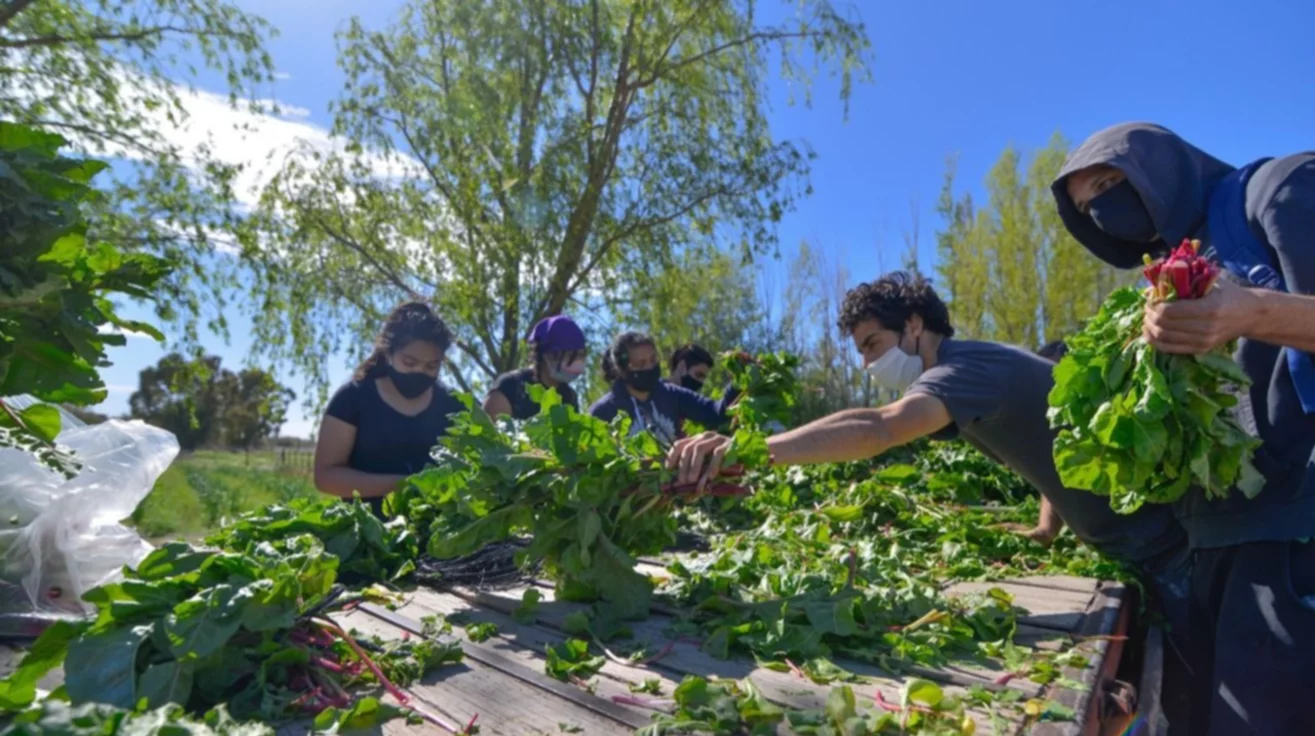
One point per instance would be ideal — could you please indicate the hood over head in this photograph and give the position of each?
(1173, 178)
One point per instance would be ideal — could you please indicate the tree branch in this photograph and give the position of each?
(660, 70)
(474, 355)
(22, 43)
(12, 9)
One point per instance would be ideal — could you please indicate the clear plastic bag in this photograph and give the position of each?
(60, 537)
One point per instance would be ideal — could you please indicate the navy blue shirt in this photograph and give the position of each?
(515, 386)
(664, 413)
(389, 442)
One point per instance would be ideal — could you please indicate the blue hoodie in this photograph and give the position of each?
(664, 413)
(1175, 180)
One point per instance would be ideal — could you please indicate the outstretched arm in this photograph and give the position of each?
(853, 434)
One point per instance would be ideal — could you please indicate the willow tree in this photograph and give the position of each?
(111, 77)
(516, 159)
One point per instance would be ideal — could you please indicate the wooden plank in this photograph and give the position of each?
(504, 704)
(527, 641)
(1099, 623)
(515, 667)
(1062, 610)
(1056, 582)
(687, 659)
(964, 674)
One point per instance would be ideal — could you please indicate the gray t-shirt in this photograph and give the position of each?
(996, 395)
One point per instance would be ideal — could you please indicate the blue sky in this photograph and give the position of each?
(961, 77)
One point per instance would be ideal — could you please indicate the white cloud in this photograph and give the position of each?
(119, 388)
(130, 334)
(282, 76)
(248, 134)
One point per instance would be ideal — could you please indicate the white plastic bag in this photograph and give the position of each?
(60, 537)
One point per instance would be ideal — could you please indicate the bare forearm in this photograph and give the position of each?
(342, 482)
(1050, 519)
(855, 434)
(1284, 319)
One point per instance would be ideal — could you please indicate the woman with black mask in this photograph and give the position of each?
(380, 427)
(653, 405)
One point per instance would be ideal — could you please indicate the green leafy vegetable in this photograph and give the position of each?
(589, 497)
(481, 632)
(528, 610)
(1140, 426)
(571, 661)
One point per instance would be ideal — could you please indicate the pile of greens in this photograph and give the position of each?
(245, 627)
(57, 718)
(1141, 426)
(368, 550)
(588, 496)
(855, 570)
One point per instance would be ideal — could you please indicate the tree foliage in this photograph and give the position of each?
(56, 286)
(204, 404)
(1010, 271)
(111, 76)
(542, 155)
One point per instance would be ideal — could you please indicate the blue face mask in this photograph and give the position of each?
(1119, 212)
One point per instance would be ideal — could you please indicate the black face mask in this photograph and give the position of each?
(691, 383)
(645, 380)
(1119, 212)
(410, 385)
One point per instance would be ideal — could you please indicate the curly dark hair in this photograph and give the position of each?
(618, 354)
(406, 324)
(1053, 351)
(691, 355)
(891, 300)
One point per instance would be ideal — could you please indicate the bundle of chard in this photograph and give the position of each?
(1142, 426)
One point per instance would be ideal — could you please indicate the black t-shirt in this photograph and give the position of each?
(514, 385)
(388, 441)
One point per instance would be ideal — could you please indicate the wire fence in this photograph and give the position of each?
(296, 461)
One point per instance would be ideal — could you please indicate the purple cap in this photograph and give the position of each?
(558, 334)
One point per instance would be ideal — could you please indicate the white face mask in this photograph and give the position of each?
(895, 370)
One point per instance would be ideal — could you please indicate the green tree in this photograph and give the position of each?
(1010, 271)
(255, 409)
(111, 76)
(703, 296)
(538, 152)
(57, 316)
(831, 376)
(962, 262)
(206, 405)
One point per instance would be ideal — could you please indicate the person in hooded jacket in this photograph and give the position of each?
(655, 406)
(558, 346)
(1138, 189)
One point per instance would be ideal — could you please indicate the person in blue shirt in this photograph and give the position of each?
(380, 427)
(1137, 189)
(653, 405)
(558, 346)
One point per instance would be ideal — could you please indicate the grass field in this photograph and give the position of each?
(202, 488)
